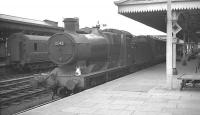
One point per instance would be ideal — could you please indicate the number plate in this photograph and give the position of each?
(59, 43)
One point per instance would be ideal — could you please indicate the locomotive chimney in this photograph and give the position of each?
(71, 24)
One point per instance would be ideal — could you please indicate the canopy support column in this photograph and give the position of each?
(169, 59)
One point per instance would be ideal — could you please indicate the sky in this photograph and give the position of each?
(89, 13)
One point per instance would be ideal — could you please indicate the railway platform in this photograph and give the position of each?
(141, 93)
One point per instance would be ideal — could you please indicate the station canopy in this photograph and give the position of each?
(12, 24)
(154, 14)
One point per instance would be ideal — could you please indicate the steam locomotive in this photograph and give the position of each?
(89, 59)
(28, 52)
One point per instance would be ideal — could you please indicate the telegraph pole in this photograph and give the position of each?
(169, 56)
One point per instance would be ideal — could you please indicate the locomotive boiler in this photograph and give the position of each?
(89, 59)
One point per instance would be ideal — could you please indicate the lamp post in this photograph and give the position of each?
(169, 58)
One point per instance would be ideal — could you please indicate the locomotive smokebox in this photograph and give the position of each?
(71, 24)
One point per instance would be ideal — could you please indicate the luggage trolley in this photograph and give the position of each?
(189, 81)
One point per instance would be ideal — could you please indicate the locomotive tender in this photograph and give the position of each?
(28, 52)
(90, 59)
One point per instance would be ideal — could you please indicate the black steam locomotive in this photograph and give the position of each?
(89, 59)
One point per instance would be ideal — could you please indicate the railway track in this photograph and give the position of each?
(17, 90)
(11, 75)
(7, 77)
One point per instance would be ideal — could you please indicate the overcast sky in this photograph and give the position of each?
(89, 13)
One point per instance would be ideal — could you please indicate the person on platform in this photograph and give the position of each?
(198, 63)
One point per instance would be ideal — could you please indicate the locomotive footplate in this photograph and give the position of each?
(189, 81)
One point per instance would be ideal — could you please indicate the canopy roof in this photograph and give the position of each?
(11, 24)
(153, 13)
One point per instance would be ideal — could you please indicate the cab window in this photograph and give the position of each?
(35, 47)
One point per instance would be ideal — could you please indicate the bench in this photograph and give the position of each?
(189, 80)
